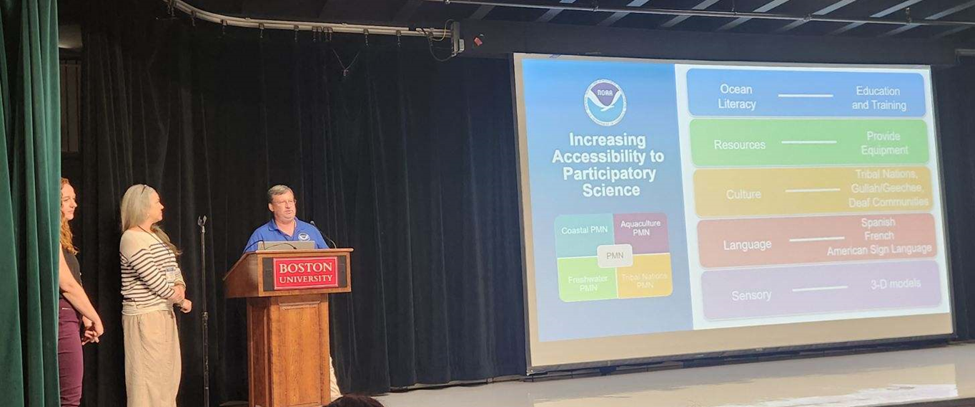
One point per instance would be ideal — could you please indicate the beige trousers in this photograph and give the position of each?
(333, 385)
(152, 359)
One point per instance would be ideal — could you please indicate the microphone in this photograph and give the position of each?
(272, 245)
(259, 241)
(331, 242)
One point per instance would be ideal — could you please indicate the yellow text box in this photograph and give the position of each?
(649, 276)
(781, 191)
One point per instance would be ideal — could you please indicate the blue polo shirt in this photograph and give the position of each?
(269, 232)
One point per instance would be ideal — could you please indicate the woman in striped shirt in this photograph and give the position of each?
(151, 285)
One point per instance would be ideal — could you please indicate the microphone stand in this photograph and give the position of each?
(327, 239)
(206, 316)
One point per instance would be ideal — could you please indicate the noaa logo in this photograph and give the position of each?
(303, 236)
(605, 102)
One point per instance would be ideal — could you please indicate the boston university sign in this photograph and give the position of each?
(298, 273)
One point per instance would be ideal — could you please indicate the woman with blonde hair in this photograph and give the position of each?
(152, 284)
(74, 303)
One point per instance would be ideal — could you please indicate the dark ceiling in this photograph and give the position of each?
(427, 13)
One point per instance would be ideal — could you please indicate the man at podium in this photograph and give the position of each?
(285, 226)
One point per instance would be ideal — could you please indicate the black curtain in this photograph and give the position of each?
(407, 160)
(955, 92)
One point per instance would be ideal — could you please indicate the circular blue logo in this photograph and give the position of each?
(303, 236)
(605, 102)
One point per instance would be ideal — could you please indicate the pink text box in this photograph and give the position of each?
(752, 242)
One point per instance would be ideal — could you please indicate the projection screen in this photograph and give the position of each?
(678, 209)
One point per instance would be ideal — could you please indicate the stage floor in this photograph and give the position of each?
(871, 379)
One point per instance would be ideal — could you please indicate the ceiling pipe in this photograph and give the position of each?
(220, 19)
(710, 13)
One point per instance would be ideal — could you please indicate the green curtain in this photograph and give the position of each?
(30, 168)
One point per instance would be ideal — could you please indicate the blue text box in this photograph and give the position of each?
(745, 92)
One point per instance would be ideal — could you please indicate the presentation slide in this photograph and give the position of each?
(674, 209)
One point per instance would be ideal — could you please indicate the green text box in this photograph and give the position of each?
(579, 235)
(746, 142)
(581, 279)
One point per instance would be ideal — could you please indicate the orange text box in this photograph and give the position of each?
(649, 276)
(781, 191)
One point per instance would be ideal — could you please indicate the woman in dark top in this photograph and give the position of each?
(74, 301)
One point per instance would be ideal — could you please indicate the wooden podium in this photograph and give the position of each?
(287, 321)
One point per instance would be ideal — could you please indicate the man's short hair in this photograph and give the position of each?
(277, 190)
